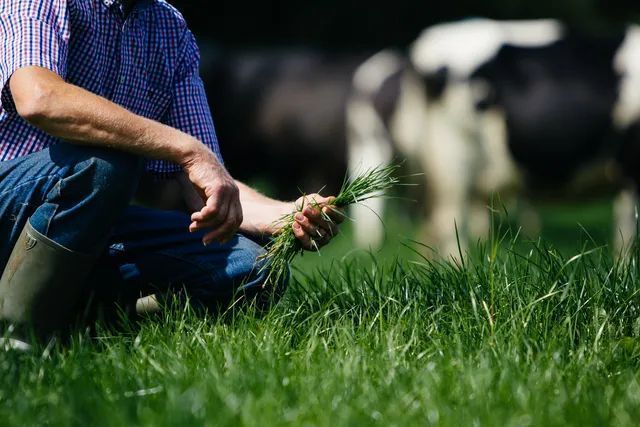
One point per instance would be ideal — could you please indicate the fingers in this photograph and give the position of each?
(311, 235)
(317, 222)
(314, 230)
(222, 214)
(307, 240)
(302, 236)
(319, 219)
(211, 215)
(225, 231)
(216, 204)
(321, 209)
(313, 199)
(323, 218)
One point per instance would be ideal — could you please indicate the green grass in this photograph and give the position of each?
(519, 335)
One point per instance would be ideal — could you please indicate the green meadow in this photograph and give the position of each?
(521, 332)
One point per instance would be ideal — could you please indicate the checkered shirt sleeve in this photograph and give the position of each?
(189, 110)
(32, 33)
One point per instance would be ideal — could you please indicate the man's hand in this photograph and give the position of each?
(317, 221)
(222, 211)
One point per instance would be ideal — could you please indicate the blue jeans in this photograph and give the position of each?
(80, 198)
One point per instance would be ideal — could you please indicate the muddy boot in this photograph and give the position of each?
(39, 288)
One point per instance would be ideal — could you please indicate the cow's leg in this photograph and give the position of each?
(626, 116)
(529, 218)
(368, 147)
(625, 222)
(498, 178)
(368, 143)
(446, 228)
(449, 159)
(479, 219)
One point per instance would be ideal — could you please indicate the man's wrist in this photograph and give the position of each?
(191, 151)
(263, 218)
(281, 209)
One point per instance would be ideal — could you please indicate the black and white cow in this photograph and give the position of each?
(484, 106)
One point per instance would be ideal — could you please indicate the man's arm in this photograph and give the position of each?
(71, 113)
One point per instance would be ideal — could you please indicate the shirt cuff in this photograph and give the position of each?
(162, 169)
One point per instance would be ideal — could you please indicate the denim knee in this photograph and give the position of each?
(110, 173)
(113, 175)
(92, 189)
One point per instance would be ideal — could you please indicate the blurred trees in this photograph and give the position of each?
(370, 24)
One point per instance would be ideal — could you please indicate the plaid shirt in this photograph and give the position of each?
(146, 62)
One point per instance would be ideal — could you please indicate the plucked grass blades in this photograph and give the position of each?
(368, 184)
(365, 185)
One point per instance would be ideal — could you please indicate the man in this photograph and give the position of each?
(90, 88)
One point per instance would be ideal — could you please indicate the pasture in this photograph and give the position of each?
(522, 333)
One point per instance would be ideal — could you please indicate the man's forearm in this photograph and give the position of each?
(78, 116)
(261, 212)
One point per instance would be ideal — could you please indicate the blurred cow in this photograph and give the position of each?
(280, 116)
(484, 106)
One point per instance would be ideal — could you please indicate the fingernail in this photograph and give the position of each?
(299, 217)
(296, 226)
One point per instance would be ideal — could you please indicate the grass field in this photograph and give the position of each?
(521, 333)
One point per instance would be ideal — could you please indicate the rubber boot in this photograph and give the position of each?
(40, 286)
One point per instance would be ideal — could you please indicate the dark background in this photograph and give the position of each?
(364, 26)
(351, 25)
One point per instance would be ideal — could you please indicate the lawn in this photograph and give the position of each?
(521, 333)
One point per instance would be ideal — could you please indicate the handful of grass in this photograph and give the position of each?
(285, 246)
